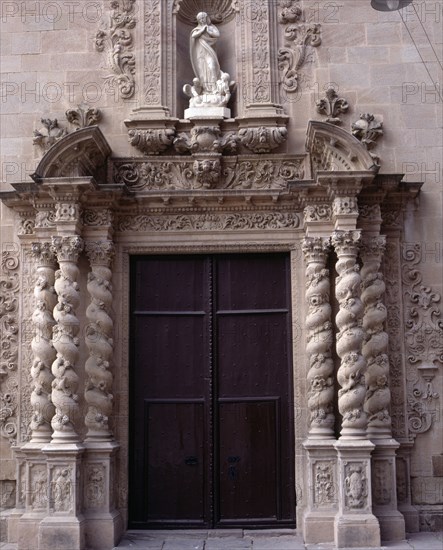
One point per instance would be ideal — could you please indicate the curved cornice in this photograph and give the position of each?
(82, 153)
(333, 149)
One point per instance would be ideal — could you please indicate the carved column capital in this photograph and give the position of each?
(373, 247)
(100, 252)
(67, 249)
(346, 243)
(44, 254)
(316, 249)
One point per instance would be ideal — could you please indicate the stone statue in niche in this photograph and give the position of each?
(211, 88)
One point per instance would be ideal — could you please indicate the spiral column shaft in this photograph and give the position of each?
(375, 346)
(42, 347)
(65, 340)
(350, 337)
(319, 339)
(99, 341)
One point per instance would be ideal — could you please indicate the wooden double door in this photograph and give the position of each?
(211, 416)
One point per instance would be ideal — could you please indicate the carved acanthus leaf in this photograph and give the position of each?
(299, 39)
(332, 106)
(84, 116)
(151, 141)
(263, 139)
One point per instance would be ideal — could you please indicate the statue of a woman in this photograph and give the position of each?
(203, 57)
(211, 86)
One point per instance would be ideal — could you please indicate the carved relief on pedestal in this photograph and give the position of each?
(382, 481)
(300, 37)
(95, 486)
(99, 341)
(350, 336)
(9, 326)
(62, 489)
(325, 488)
(116, 38)
(319, 339)
(42, 347)
(356, 486)
(423, 341)
(38, 480)
(375, 347)
(65, 340)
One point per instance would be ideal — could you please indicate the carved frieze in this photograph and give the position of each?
(209, 222)
(236, 173)
(318, 213)
(116, 40)
(300, 38)
(9, 333)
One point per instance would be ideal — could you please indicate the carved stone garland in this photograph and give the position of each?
(319, 339)
(42, 347)
(65, 341)
(9, 288)
(99, 341)
(375, 347)
(350, 337)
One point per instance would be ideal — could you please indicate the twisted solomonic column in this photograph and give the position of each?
(99, 341)
(65, 341)
(375, 347)
(350, 337)
(42, 348)
(319, 339)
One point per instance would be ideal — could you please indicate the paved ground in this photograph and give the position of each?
(254, 540)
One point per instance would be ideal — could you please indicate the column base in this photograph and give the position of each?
(318, 527)
(9, 522)
(411, 517)
(362, 531)
(28, 530)
(103, 531)
(392, 525)
(62, 533)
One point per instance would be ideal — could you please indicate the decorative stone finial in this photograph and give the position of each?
(332, 106)
(83, 116)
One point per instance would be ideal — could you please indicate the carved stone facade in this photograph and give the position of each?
(263, 176)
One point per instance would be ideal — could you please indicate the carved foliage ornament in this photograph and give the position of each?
(423, 341)
(83, 116)
(263, 139)
(49, 134)
(9, 323)
(299, 38)
(152, 141)
(152, 57)
(332, 106)
(115, 38)
(356, 485)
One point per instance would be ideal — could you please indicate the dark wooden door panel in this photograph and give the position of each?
(211, 423)
(175, 462)
(248, 461)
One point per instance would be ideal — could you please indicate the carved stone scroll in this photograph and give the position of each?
(319, 340)
(65, 340)
(350, 336)
(42, 346)
(99, 341)
(375, 347)
(9, 323)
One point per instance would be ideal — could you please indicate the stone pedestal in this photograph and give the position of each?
(104, 525)
(409, 512)
(207, 112)
(318, 522)
(63, 527)
(35, 480)
(384, 497)
(355, 525)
